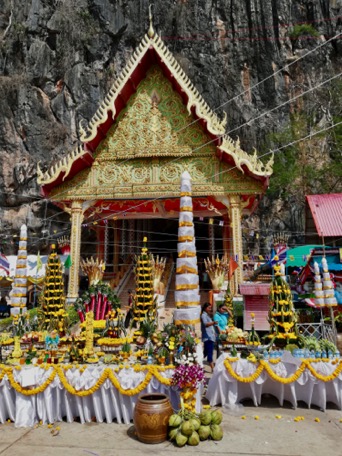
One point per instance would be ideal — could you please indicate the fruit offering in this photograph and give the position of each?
(192, 428)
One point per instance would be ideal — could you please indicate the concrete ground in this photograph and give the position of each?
(266, 430)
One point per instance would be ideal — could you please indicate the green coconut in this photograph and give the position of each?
(175, 420)
(216, 432)
(194, 439)
(196, 423)
(216, 417)
(173, 434)
(205, 418)
(187, 428)
(181, 439)
(204, 432)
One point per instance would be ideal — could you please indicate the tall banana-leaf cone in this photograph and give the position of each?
(187, 298)
(18, 294)
(144, 304)
(53, 298)
(282, 316)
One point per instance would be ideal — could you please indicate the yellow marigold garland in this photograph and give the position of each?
(263, 365)
(33, 391)
(152, 371)
(237, 377)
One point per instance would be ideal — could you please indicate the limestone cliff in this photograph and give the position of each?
(58, 59)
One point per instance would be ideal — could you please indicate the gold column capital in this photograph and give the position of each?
(235, 201)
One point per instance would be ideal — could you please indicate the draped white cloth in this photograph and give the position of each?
(224, 389)
(56, 404)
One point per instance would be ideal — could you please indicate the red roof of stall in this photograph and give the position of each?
(327, 213)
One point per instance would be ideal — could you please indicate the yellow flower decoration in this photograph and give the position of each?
(317, 420)
(243, 417)
(264, 365)
(151, 371)
(256, 417)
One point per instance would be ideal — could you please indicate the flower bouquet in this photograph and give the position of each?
(188, 379)
(186, 376)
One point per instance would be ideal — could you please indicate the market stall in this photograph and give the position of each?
(313, 381)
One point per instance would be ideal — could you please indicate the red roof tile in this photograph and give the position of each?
(327, 213)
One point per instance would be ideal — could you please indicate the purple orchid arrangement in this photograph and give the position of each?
(188, 376)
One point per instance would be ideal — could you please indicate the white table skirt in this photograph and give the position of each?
(55, 403)
(224, 389)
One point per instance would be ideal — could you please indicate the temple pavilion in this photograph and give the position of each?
(123, 179)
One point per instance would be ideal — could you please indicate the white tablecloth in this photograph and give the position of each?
(224, 389)
(55, 403)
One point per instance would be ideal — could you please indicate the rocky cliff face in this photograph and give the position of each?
(58, 58)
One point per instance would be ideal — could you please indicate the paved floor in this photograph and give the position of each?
(273, 433)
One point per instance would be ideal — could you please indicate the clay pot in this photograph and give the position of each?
(151, 417)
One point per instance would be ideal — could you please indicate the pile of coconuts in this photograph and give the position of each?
(191, 428)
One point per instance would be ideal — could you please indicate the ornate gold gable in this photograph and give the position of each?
(145, 152)
(145, 132)
(155, 123)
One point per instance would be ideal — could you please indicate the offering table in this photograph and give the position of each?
(313, 381)
(50, 393)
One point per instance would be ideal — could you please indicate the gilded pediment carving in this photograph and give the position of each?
(145, 132)
(139, 178)
(155, 123)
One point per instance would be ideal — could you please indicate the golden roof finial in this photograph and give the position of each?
(150, 30)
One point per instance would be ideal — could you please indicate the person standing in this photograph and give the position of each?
(222, 316)
(208, 333)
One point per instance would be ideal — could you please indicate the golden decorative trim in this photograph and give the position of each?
(187, 322)
(186, 254)
(186, 194)
(186, 209)
(63, 165)
(185, 238)
(186, 269)
(186, 287)
(187, 304)
(185, 224)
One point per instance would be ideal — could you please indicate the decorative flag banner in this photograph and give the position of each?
(280, 253)
(201, 219)
(211, 221)
(221, 223)
(233, 265)
(4, 263)
(68, 262)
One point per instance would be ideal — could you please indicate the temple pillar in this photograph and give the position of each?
(75, 249)
(235, 217)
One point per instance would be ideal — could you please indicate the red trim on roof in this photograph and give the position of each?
(326, 211)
